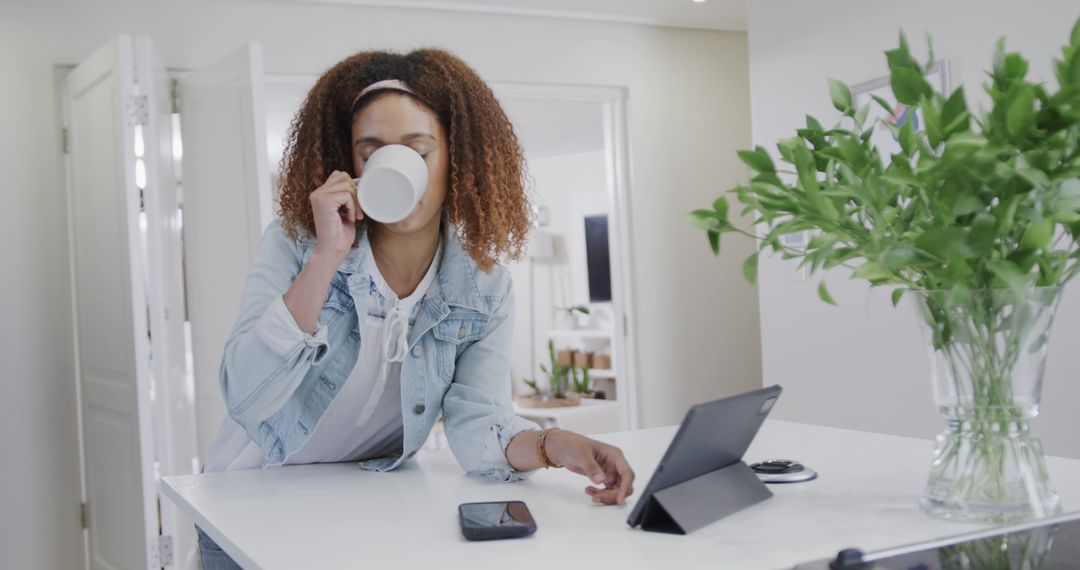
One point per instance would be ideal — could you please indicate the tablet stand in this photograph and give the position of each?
(694, 503)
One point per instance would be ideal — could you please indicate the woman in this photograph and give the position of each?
(353, 335)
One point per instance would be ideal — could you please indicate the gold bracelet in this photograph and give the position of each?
(541, 449)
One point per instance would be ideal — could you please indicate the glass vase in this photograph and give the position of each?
(987, 353)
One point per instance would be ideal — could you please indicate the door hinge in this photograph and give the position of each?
(174, 95)
(84, 515)
(161, 550)
(138, 110)
(65, 140)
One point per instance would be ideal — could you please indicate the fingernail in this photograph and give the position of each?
(598, 478)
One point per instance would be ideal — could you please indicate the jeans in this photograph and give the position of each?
(213, 557)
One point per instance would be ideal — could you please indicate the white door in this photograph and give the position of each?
(172, 396)
(227, 204)
(110, 309)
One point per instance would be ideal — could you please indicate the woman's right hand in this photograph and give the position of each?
(336, 211)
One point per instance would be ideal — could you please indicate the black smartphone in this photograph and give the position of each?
(494, 520)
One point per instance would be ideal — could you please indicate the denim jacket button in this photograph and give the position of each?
(417, 351)
(419, 409)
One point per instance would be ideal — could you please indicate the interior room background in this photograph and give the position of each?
(697, 322)
(694, 97)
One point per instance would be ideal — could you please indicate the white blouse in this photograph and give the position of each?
(364, 419)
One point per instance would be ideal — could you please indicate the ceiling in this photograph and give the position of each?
(711, 14)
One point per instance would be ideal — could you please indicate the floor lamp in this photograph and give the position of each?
(541, 248)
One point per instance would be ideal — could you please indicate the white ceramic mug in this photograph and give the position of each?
(394, 179)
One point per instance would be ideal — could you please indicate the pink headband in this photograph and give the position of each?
(395, 84)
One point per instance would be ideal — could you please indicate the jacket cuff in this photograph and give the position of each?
(503, 429)
(278, 330)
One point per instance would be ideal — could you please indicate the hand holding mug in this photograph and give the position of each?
(336, 210)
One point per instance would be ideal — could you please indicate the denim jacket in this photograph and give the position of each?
(278, 380)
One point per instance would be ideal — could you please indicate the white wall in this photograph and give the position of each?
(39, 477)
(697, 321)
(861, 365)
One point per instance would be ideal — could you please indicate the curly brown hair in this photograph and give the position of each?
(486, 198)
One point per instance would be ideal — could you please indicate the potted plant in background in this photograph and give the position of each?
(582, 384)
(567, 318)
(977, 218)
(560, 393)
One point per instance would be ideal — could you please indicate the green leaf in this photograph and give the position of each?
(1033, 176)
(954, 115)
(871, 271)
(896, 295)
(860, 115)
(909, 86)
(907, 138)
(720, 207)
(822, 240)
(705, 220)
(757, 159)
(983, 232)
(749, 268)
(714, 242)
(1037, 235)
(1016, 66)
(898, 257)
(945, 242)
(787, 148)
(885, 105)
(1073, 73)
(804, 163)
(934, 129)
(841, 96)
(967, 204)
(1065, 217)
(1020, 116)
(823, 293)
(1009, 274)
(929, 51)
(967, 140)
(901, 56)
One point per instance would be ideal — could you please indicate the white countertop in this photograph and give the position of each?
(338, 516)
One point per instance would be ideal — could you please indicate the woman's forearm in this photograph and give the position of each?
(307, 294)
(521, 452)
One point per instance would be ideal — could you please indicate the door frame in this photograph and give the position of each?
(139, 294)
(60, 74)
(613, 105)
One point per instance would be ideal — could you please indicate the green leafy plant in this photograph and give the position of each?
(970, 203)
(558, 376)
(562, 378)
(580, 385)
(531, 383)
(979, 213)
